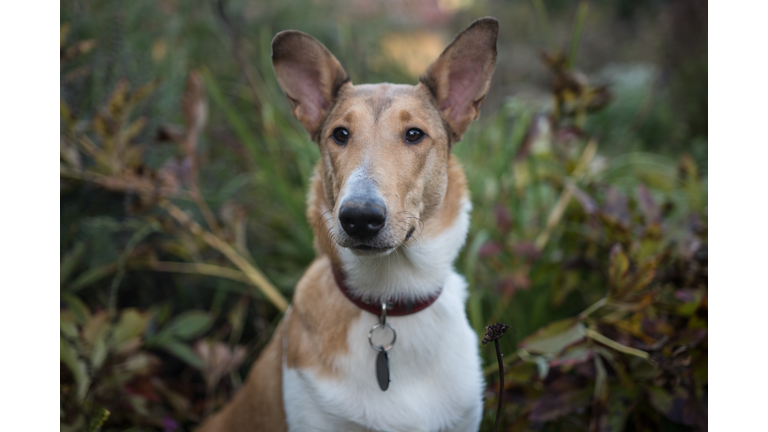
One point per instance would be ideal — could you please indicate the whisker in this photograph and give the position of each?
(412, 216)
(321, 216)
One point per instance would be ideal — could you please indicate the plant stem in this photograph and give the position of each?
(197, 268)
(494, 332)
(493, 368)
(559, 209)
(210, 219)
(600, 303)
(615, 345)
(501, 385)
(125, 184)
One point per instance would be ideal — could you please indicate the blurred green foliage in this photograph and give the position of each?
(183, 184)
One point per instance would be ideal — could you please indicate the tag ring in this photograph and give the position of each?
(382, 347)
(383, 317)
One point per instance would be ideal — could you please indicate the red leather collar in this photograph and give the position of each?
(395, 308)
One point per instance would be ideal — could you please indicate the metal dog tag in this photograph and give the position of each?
(382, 370)
(382, 359)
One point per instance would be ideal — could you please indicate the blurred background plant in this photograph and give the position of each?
(183, 184)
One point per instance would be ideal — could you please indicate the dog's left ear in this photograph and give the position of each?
(459, 78)
(309, 75)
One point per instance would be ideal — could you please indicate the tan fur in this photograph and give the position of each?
(422, 185)
(258, 406)
(451, 205)
(411, 177)
(310, 325)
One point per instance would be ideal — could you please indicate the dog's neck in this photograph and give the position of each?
(414, 272)
(410, 272)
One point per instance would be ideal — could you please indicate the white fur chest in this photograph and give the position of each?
(437, 382)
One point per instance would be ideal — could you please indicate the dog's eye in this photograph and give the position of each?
(414, 135)
(340, 135)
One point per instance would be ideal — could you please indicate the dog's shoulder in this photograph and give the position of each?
(316, 329)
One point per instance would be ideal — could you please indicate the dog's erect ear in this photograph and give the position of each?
(459, 78)
(309, 75)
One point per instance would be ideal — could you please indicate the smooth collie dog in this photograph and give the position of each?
(377, 338)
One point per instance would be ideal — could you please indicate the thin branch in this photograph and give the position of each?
(251, 271)
(615, 345)
(600, 303)
(196, 268)
(119, 184)
(197, 197)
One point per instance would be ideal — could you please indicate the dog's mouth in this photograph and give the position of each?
(367, 249)
(362, 249)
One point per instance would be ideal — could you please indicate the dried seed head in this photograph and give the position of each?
(494, 332)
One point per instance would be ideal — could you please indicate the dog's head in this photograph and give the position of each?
(385, 148)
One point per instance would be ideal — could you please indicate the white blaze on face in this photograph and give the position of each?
(361, 185)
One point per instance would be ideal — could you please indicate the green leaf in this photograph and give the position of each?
(184, 352)
(650, 242)
(190, 324)
(572, 356)
(141, 92)
(542, 366)
(643, 277)
(132, 323)
(99, 352)
(65, 113)
(521, 372)
(236, 318)
(68, 324)
(618, 268)
(92, 276)
(660, 399)
(98, 420)
(553, 338)
(133, 129)
(94, 335)
(691, 299)
(688, 174)
(68, 356)
(185, 326)
(118, 100)
(95, 327)
(614, 229)
(601, 382)
(78, 308)
(69, 262)
(475, 295)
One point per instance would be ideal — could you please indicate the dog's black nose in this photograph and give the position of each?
(362, 218)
